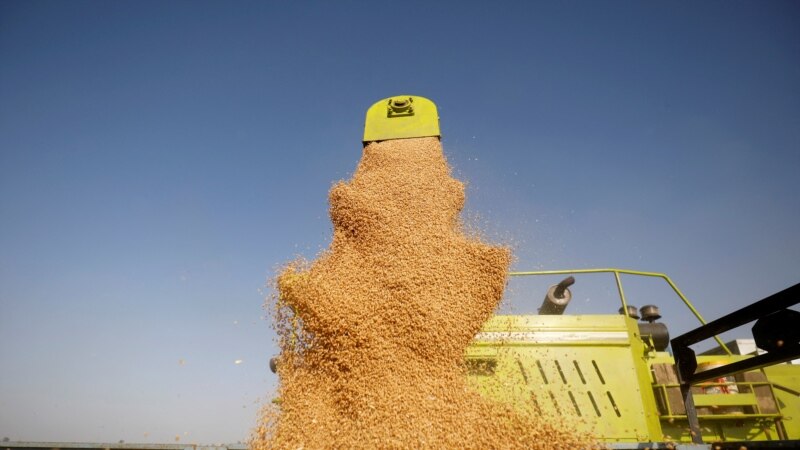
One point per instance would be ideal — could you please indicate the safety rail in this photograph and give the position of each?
(618, 279)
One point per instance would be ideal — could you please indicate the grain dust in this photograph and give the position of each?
(373, 332)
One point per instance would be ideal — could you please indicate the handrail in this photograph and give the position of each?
(618, 280)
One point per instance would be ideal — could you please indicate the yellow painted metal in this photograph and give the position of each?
(586, 369)
(401, 117)
(597, 372)
(785, 379)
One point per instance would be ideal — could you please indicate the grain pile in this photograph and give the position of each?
(373, 332)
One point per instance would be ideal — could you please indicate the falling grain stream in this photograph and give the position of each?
(373, 332)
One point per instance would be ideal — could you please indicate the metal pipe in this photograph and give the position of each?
(557, 298)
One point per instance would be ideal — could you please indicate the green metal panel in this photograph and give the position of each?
(582, 369)
(400, 117)
(595, 372)
(786, 385)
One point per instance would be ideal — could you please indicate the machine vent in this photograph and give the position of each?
(523, 371)
(574, 404)
(541, 371)
(613, 403)
(536, 405)
(594, 403)
(578, 369)
(481, 366)
(560, 372)
(579, 392)
(555, 402)
(597, 369)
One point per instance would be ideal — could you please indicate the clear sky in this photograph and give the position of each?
(160, 160)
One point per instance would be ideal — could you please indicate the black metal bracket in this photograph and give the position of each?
(782, 342)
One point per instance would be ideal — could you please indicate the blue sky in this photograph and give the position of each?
(160, 160)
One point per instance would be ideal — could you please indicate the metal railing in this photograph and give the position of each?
(618, 279)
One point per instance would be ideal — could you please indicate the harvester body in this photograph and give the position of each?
(599, 373)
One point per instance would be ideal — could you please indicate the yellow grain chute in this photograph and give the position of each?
(401, 117)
